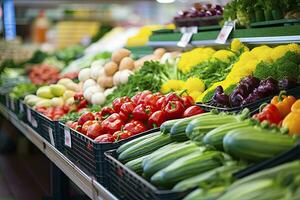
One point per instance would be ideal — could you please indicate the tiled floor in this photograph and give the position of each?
(24, 177)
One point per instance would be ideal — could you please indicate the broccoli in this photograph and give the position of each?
(264, 70)
(286, 68)
(290, 56)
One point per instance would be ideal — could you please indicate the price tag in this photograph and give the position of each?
(21, 107)
(187, 35)
(225, 32)
(68, 141)
(34, 122)
(29, 115)
(51, 136)
(12, 104)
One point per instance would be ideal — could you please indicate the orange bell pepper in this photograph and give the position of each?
(296, 106)
(283, 103)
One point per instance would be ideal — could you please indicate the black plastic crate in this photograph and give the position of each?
(44, 126)
(253, 107)
(127, 185)
(87, 154)
(2, 99)
(13, 105)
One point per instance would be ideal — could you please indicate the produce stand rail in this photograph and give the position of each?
(87, 184)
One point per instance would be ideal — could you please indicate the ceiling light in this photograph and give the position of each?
(165, 1)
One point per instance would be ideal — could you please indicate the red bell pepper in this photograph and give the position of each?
(174, 109)
(105, 113)
(121, 135)
(112, 124)
(104, 138)
(94, 130)
(161, 102)
(193, 110)
(135, 99)
(188, 101)
(173, 97)
(143, 96)
(118, 102)
(142, 113)
(269, 113)
(86, 125)
(151, 100)
(156, 119)
(85, 117)
(135, 127)
(127, 109)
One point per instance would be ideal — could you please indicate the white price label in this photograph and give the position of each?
(21, 107)
(68, 139)
(188, 33)
(51, 136)
(12, 104)
(29, 115)
(225, 32)
(34, 122)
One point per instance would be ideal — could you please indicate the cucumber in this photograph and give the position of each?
(256, 144)
(215, 136)
(155, 163)
(197, 128)
(177, 131)
(136, 165)
(144, 147)
(206, 178)
(186, 167)
(135, 141)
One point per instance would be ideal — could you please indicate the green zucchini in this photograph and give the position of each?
(136, 165)
(211, 194)
(144, 147)
(177, 131)
(215, 176)
(167, 125)
(187, 167)
(197, 128)
(255, 144)
(135, 141)
(215, 136)
(161, 160)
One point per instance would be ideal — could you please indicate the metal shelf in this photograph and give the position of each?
(266, 35)
(86, 183)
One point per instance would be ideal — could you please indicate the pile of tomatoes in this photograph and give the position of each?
(43, 74)
(53, 113)
(131, 116)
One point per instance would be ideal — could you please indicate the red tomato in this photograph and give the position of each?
(142, 113)
(118, 102)
(94, 130)
(174, 109)
(156, 119)
(193, 110)
(161, 103)
(86, 125)
(188, 101)
(121, 135)
(135, 127)
(104, 138)
(112, 124)
(85, 117)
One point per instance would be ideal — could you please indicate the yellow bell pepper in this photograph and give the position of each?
(292, 120)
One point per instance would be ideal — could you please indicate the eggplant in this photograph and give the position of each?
(287, 83)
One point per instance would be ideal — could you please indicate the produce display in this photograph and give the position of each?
(132, 116)
(204, 151)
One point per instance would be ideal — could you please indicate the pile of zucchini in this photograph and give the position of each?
(203, 151)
